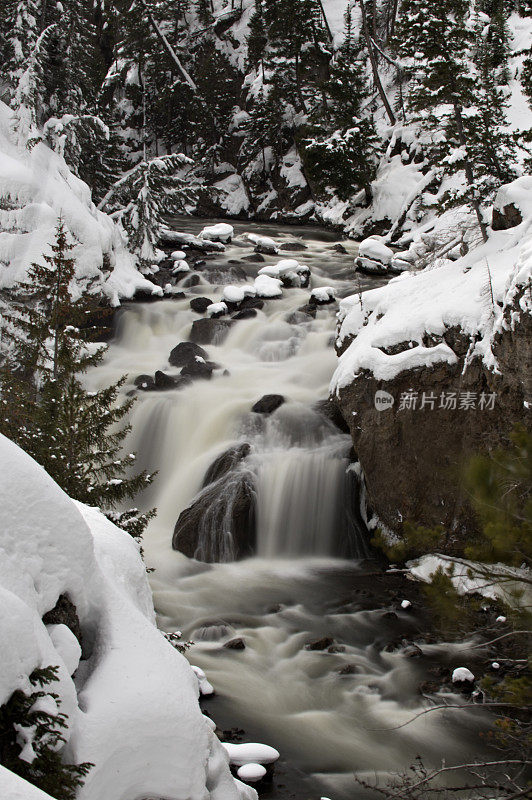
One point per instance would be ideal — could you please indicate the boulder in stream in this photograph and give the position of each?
(200, 304)
(220, 524)
(268, 404)
(199, 369)
(209, 331)
(186, 353)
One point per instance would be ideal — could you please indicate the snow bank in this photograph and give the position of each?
(416, 306)
(14, 788)
(36, 188)
(132, 709)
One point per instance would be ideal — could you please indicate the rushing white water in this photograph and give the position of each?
(326, 722)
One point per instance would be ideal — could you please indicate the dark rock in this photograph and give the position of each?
(251, 302)
(293, 246)
(268, 404)
(336, 648)
(389, 615)
(199, 369)
(64, 613)
(339, 248)
(209, 331)
(246, 313)
(320, 644)
(329, 409)
(190, 281)
(256, 258)
(220, 524)
(185, 353)
(348, 669)
(509, 217)
(200, 304)
(412, 651)
(235, 644)
(297, 318)
(309, 310)
(164, 381)
(226, 462)
(431, 443)
(144, 382)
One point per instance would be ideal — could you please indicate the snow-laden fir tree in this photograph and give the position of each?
(436, 44)
(32, 740)
(74, 434)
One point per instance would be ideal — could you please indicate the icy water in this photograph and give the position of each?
(329, 712)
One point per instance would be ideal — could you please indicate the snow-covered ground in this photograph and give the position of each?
(132, 699)
(473, 293)
(36, 188)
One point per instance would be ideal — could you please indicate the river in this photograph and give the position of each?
(330, 712)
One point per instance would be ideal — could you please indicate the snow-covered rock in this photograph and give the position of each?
(180, 266)
(462, 675)
(217, 309)
(290, 271)
(374, 248)
(205, 688)
(37, 187)
(222, 232)
(263, 244)
(133, 711)
(235, 294)
(189, 240)
(178, 255)
(323, 295)
(268, 287)
(250, 753)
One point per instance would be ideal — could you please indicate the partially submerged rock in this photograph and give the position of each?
(268, 404)
(209, 331)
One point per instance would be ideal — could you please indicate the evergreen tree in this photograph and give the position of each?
(341, 152)
(257, 39)
(435, 42)
(74, 434)
(204, 11)
(32, 740)
(143, 196)
(21, 29)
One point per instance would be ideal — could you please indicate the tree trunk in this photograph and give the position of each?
(376, 76)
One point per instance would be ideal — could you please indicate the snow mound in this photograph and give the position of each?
(416, 306)
(263, 244)
(462, 675)
(178, 255)
(133, 710)
(218, 233)
(288, 268)
(180, 266)
(268, 287)
(251, 773)
(235, 294)
(36, 188)
(374, 248)
(323, 294)
(250, 753)
(216, 309)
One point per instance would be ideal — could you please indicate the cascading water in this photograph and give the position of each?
(291, 482)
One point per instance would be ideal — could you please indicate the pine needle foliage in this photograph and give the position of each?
(32, 738)
(76, 435)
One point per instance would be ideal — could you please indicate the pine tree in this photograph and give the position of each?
(257, 39)
(153, 188)
(436, 44)
(74, 434)
(21, 29)
(341, 152)
(32, 740)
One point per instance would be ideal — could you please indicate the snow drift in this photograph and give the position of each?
(36, 188)
(132, 701)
